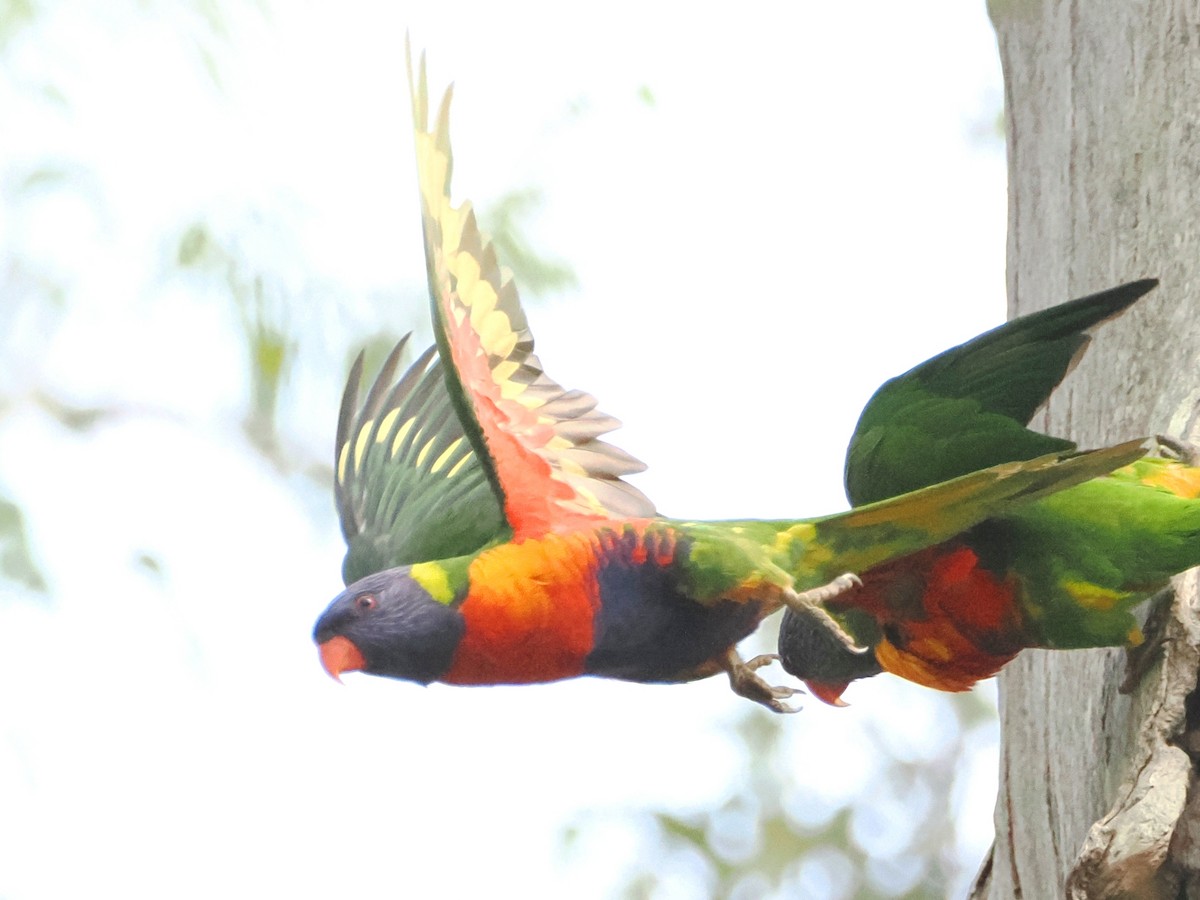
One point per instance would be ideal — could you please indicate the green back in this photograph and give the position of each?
(1090, 554)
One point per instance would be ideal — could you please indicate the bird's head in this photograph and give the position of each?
(809, 650)
(388, 624)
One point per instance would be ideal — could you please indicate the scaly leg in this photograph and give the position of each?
(746, 682)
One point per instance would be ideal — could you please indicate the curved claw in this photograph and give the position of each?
(843, 584)
(746, 683)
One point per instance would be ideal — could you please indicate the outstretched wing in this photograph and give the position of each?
(538, 443)
(870, 535)
(967, 408)
(408, 485)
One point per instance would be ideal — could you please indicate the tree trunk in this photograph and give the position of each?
(1103, 101)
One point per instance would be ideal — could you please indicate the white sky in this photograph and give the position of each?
(813, 204)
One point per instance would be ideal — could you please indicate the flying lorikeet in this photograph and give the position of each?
(1062, 572)
(491, 538)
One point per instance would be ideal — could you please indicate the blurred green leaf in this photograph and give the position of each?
(76, 418)
(14, 15)
(195, 247)
(271, 350)
(16, 557)
(45, 175)
(534, 273)
(149, 564)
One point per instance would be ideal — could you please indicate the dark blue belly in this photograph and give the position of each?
(647, 630)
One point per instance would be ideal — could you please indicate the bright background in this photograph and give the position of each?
(768, 209)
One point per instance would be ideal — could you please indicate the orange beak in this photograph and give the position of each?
(826, 691)
(338, 655)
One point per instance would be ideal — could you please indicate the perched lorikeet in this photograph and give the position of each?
(1062, 572)
(491, 538)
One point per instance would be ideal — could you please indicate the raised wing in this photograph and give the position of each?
(408, 485)
(538, 443)
(967, 408)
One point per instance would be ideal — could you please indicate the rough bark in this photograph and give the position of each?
(1103, 104)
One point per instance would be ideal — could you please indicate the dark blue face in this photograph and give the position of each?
(393, 627)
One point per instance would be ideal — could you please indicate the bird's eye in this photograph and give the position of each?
(365, 602)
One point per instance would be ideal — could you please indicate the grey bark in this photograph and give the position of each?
(1103, 108)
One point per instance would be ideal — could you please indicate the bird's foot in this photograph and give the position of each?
(746, 682)
(1184, 451)
(1140, 658)
(812, 602)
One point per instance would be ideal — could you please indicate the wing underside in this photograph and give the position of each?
(538, 442)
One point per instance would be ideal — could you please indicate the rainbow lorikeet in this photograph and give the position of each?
(1062, 572)
(491, 538)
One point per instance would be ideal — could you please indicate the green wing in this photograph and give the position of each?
(967, 409)
(866, 536)
(731, 556)
(408, 485)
